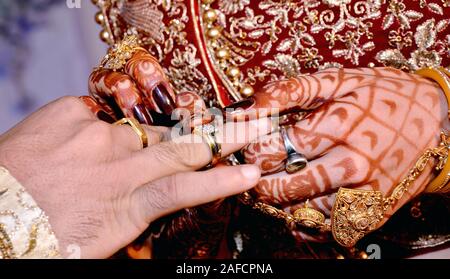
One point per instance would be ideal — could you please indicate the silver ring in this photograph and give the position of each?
(295, 160)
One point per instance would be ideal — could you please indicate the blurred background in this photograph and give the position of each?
(47, 50)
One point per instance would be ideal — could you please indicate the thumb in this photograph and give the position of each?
(191, 189)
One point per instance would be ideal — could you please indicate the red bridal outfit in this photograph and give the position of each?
(225, 50)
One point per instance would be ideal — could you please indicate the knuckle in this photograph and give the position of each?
(99, 133)
(171, 192)
(264, 192)
(72, 107)
(152, 200)
(161, 197)
(357, 170)
(176, 155)
(68, 102)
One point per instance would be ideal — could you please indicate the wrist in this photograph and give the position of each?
(440, 184)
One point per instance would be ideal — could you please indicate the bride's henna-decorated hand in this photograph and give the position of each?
(141, 91)
(365, 129)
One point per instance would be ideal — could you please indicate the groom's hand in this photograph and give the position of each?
(99, 188)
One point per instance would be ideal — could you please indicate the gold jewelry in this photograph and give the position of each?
(358, 212)
(355, 212)
(6, 247)
(442, 76)
(306, 217)
(309, 217)
(208, 133)
(137, 128)
(120, 52)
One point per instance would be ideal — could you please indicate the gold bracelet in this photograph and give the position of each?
(442, 76)
(355, 212)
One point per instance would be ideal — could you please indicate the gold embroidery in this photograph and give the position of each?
(400, 38)
(6, 247)
(24, 228)
(396, 11)
(232, 6)
(424, 55)
(145, 18)
(276, 39)
(33, 238)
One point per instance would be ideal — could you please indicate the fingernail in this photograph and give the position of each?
(142, 115)
(251, 172)
(102, 115)
(241, 105)
(137, 246)
(165, 120)
(163, 99)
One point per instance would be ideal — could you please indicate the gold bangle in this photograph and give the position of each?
(440, 75)
(137, 128)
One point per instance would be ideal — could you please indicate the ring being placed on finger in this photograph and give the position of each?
(119, 54)
(295, 160)
(137, 128)
(208, 132)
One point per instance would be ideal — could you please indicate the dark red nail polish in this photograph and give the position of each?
(102, 115)
(163, 99)
(137, 246)
(241, 105)
(165, 120)
(142, 115)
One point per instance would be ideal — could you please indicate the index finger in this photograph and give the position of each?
(300, 93)
(191, 152)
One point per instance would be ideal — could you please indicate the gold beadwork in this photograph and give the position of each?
(105, 36)
(233, 73)
(223, 53)
(6, 247)
(210, 15)
(100, 18)
(119, 54)
(213, 32)
(252, 34)
(309, 217)
(247, 91)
